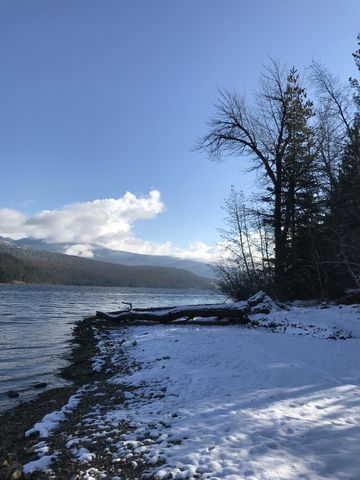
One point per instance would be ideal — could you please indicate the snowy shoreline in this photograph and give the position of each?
(279, 401)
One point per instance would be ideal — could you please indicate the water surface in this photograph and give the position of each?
(36, 323)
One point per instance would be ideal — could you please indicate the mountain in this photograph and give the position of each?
(19, 264)
(123, 258)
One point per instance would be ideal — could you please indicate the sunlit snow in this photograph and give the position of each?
(228, 402)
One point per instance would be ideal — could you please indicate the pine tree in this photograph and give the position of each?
(342, 223)
(299, 204)
(345, 218)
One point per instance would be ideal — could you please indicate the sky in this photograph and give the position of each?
(102, 104)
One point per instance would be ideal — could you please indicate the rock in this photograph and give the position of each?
(352, 297)
(12, 394)
(40, 385)
(16, 475)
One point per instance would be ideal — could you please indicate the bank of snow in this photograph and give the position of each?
(228, 402)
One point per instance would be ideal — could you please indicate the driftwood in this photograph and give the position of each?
(238, 311)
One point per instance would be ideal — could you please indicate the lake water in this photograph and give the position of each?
(36, 323)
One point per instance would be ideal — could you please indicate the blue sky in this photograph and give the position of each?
(100, 98)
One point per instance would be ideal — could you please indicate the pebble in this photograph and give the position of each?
(16, 475)
(12, 394)
(40, 385)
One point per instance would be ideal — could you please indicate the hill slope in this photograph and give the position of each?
(19, 264)
(121, 257)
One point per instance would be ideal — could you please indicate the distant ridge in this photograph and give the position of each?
(121, 257)
(19, 264)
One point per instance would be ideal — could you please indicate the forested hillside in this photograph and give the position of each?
(120, 257)
(32, 266)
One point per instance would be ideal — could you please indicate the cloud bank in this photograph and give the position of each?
(100, 223)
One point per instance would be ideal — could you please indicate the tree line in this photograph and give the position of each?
(39, 267)
(299, 236)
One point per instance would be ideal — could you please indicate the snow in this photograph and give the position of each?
(45, 427)
(83, 454)
(211, 306)
(279, 399)
(343, 320)
(40, 465)
(41, 448)
(229, 402)
(51, 421)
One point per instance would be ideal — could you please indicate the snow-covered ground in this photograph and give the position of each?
(228, 402)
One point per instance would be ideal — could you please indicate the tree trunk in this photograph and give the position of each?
(237, 310)
(279, 244)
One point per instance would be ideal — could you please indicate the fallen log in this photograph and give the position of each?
(236, 310)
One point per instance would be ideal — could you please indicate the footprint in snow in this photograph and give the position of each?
(288, 430)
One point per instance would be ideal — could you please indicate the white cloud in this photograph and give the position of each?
(98, 221)
(80, 250)
(11, 224)
(105, 223)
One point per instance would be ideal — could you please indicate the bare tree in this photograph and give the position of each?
(262, 131)
(335, 113)
(244, 265)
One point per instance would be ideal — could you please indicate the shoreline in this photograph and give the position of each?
(174, 403)
(15, 449)
(90, 386)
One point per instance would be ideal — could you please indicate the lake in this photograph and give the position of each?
(36, 323)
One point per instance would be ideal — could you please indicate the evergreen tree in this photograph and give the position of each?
(344, 222)
(300, 185)
(341, 253)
